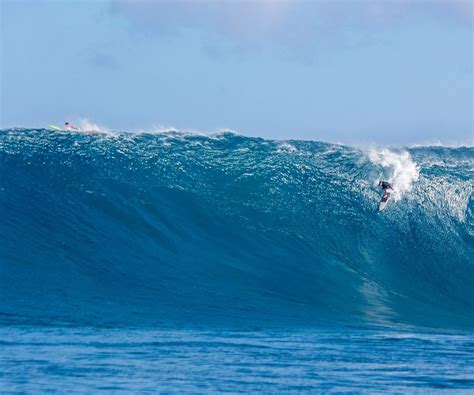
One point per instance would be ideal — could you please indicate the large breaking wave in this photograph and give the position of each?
(158, 229)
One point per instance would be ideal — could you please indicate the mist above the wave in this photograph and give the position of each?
(402, 171)
(85, 125)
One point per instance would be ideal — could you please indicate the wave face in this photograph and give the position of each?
(158, 229)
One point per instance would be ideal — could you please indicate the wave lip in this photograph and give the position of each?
(151, 229)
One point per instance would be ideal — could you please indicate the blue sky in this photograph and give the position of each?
(343, 71)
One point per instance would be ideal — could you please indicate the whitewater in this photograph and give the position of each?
(223, 246)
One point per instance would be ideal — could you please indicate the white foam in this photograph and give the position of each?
(402, 170)
(466, 143)
(84, 125)
(286, 147)
(183, 133)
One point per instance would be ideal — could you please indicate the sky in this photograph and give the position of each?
(388, 72)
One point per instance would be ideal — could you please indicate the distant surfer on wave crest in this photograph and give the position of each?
(68, 126)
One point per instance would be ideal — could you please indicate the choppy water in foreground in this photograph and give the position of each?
(332, 359)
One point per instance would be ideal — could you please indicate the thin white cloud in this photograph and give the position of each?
(234, 18)
(294, 25)
(245, 18)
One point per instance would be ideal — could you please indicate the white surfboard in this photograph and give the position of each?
(385, 199)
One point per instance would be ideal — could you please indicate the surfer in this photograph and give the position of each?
(68, 126)
(387, 188)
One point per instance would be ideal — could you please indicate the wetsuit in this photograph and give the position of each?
(385, 185)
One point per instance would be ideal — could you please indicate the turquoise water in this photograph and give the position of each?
(197, 263)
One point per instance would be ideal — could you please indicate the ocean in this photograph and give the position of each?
(184, 262)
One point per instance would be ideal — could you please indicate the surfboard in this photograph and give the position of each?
(55, 127)
(385, 199)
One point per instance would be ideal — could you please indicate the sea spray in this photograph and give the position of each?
(402, 171)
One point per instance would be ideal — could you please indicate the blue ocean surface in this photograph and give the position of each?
(178, 262)
(88, 360)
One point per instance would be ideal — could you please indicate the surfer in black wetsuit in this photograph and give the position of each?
(385, 185)
(387, 189)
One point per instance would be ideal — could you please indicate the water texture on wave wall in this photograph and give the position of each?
(157, 229)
